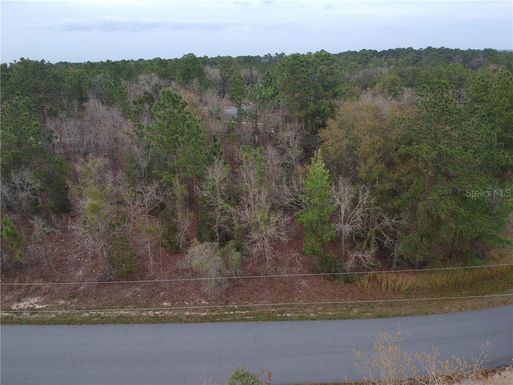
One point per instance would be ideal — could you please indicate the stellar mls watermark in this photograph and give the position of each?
(496, 192)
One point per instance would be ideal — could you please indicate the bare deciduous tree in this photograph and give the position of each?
(149, 196)
(213, 75)
(213, 102)
(146, 84)
(289, 143)
(357, 218)
(265, 227)
(20, 191)
(264, 224)
(352, 209)
(38, 246)
(140, 202)
(361, 259)
(183, 216)
(284, 183)
(251, 76)
(214, 106)
(99, 131)
(215, 193)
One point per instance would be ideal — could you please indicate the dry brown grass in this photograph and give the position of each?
(433, 281)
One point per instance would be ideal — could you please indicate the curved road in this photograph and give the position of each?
(197, 354)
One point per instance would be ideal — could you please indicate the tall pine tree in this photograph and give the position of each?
(317, 209)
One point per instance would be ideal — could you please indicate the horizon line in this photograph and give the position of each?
(509, 50)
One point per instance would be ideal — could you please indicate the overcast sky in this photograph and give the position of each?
(82, 30)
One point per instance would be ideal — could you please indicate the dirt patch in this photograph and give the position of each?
(29, 303)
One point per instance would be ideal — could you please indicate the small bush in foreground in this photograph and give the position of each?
(244, 377)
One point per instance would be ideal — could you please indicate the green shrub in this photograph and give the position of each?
(244, 377)
(212, 261)
(206, 225)
(206, 259)
(122, 255)
(238, 237)
(231, 257)
(54, 182)
(169, 231)
(329, 264)
(12, 242)
(475, 262)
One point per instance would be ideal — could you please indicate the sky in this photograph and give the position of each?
(93, 30)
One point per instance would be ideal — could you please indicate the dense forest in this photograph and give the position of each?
(235, 165)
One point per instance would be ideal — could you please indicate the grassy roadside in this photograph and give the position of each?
(282, 313)
(388, 287)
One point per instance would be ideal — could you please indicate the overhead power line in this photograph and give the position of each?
(270, 276)
(249, 305)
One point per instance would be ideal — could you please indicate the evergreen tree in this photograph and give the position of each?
(308, 85)
(12, 242)
(23, 147)
(177, 138)
(180, 145)
(21, 138)
(190, 69)
(451, 197)
(317, 209)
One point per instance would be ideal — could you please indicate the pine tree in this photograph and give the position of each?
(317, 208)
(180, 146)
(177, 138)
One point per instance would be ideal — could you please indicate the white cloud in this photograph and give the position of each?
(116, 24)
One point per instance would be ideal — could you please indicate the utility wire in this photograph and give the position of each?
(221, 306)
(235, 277)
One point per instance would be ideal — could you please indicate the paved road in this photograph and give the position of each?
(303, 351)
